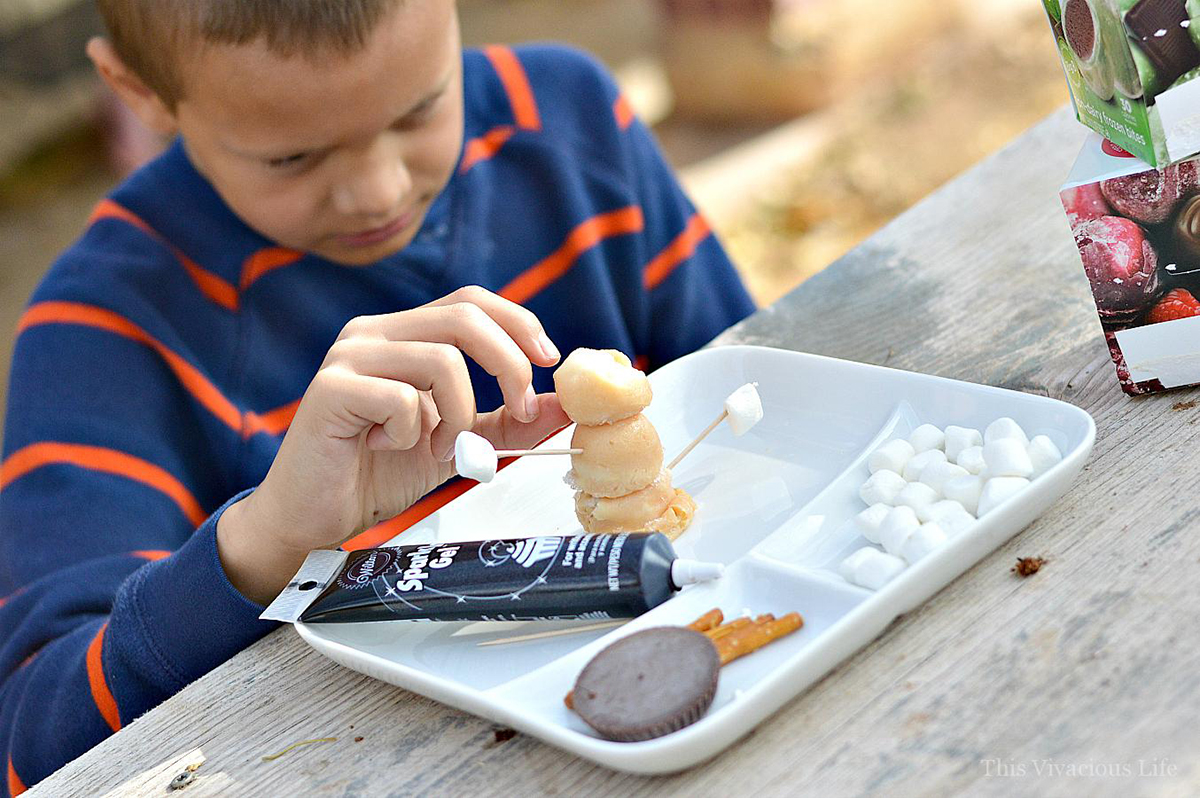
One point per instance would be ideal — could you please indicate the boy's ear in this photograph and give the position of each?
(132, 90)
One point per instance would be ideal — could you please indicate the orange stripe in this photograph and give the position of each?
(274, 421)
(516, 85)
(212, 286)
(109, 461)
(623, 111)
(265, 260)
(581, 239)
(100, 692)
(150, 554)
(428, 505)
(677, 251)
(422, 509)
(641, 362)
(90, 316)
(15, 787)
(483, 147)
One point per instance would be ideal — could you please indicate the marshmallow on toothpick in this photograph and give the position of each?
(743, 409)
(475, 457)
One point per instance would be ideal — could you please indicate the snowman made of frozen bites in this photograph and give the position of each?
(618, 476)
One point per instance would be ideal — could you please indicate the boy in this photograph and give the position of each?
(259, 346)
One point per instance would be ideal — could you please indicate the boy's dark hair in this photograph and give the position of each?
(153, 37)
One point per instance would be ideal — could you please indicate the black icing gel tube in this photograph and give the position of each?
(526, 579)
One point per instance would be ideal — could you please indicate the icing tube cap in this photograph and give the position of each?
(689, 572)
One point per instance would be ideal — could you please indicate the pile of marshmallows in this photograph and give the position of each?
(933, 486)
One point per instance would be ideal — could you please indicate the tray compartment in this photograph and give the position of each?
(750, 585)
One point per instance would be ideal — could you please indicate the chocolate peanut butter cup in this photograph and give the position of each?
(648, 684)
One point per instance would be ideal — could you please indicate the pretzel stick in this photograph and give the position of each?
(734, 625)
(755, 636)
(708, 621)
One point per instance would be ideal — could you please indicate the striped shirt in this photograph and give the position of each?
(160, 361)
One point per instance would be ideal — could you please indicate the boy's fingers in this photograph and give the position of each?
(391, 408)
(520, 323)
(507, 432)
(462, 325)
(437, 368)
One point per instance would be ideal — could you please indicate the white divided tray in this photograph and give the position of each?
(774, 505)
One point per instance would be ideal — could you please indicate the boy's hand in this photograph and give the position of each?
(375, 430)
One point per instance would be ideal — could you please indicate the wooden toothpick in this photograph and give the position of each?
(700, 437)
(528, 452)
(591, 627)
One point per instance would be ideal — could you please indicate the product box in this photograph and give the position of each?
(1131, 65)
(1138, 233)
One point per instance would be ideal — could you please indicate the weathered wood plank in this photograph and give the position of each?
(1094, 660)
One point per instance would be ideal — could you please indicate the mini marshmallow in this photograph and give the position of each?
(893, 456)
(971, 458)
(877, 569)
(899, 523)
(1043, 454)
(938, 473)
(998, 490)
(922, 542)
(868, 521)
(882, 488)
(926, 438)
(965, 490)
(744, 408)
(951, 517)
(475, 457)
(850, 565)
(1004, 428)
(1007, 457)
(959, 438)
(912, 469)
(917, 495)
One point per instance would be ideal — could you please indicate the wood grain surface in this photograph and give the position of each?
(1083, 679)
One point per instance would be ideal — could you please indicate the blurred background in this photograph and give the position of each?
(798, 126)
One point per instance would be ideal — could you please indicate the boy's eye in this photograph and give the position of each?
(288, 160)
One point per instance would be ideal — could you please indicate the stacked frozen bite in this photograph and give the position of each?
(932, 486)
(620, 482)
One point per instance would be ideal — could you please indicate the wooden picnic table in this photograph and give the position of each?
(1083, 679)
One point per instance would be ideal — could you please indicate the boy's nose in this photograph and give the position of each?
(376, 184)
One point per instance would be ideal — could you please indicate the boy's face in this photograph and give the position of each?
(341, 157)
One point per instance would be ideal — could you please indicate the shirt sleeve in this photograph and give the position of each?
(112, 595)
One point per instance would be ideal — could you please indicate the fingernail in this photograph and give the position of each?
(531, 404)
(548, 347)
(447, 455)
